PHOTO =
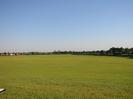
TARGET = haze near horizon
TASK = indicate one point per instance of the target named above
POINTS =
(48, 25)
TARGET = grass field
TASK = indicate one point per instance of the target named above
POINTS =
(66, 77)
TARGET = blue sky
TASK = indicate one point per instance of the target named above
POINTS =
(47, 25)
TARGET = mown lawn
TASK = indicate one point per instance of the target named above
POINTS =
(66, 77)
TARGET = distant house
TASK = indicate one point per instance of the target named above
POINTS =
(11, 54)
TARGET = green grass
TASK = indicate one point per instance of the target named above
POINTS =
(66, 77)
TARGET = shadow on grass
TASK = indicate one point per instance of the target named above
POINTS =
(130, 57)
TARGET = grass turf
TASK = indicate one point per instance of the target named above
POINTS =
(66, 77)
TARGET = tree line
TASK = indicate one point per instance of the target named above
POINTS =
(114, 51)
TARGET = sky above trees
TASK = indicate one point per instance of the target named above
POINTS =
(47, 25)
